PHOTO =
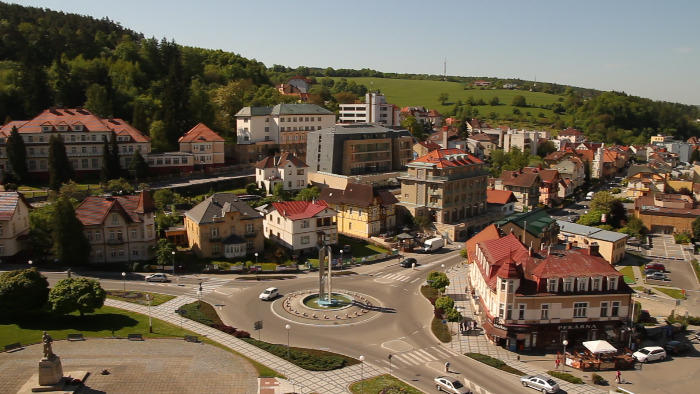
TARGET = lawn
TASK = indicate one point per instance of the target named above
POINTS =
(382, 382)
(360, 248)
(628, 272)
(672, 292)
(139, 297)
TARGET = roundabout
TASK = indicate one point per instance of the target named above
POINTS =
(348, 307)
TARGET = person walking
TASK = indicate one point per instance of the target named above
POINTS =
(447, 366)
(618, 378)
(556, 363)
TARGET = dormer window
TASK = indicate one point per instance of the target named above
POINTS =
(612, 283)
(552, 285)
(582, 284)
(45, 128)
(62, 128)
(596, 284)
(568, 284)
(78, 127)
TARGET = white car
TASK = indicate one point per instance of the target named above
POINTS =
(269, 294)
(541, 383)
(157, 278)
(651, 353)
(450, 385)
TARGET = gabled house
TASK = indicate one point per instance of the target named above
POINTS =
(224, 226)
(501, 202)
(644, 181)
(301, 225)
(422, 148)
(524, 185)
(206, 146)
(362, 211)
(549, 188)
(611, 244)
(14, 224)
(572, 135)
(285, 169)
(119, 228)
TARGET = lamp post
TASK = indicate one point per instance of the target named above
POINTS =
(565, 342)
(30, 263)
(288, 352)
(257, 277)
(149, 298)
(124, 282)
(362, 374)
(341, 258)
(173, 252)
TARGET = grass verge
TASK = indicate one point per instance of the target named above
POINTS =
(139, 297)
(385, 384)
(441, 332)
(628, 272)
(360, 248)
(309, 359)
(696, 268)
(565, 377)
(494, 362)
(674, 293)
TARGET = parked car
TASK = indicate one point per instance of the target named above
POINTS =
(347, 249)
(541, 383)
(649, 271)
(157, 278)
(677, 347)
(657, 276)
(651, 353)
(656, 267)
(450, 385)
(408, 263)
(269, 294)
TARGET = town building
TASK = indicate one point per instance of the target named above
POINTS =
(362, 210)
(355, 149)
(205, 145)
(667, 213)
(549, 187)
(536, 300)
(301, 225)
(224, 226)
(375, 109)
(422, 148)
(501, 202)
(525, 140)
(524, 185)
(644, 181)
(448, 186)
(535, 229)
(14, 225)
(571, 135)
(83, 134)
(119, 228)
(611, 244)
(285, 169)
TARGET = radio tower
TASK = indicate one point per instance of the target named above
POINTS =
(444, 71)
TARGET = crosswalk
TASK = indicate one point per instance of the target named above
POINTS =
(399, 277)
(208, 286)
(419, 356)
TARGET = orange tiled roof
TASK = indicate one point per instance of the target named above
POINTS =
(494, 196)
(8, 204)
(490, 232)
(443, 158)
(201, 132)
(94, 209)
(295, 210)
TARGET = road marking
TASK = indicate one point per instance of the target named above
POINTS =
(416, 280)
(208, 286)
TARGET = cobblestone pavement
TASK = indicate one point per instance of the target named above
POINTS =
(530, 365)
(153, 366)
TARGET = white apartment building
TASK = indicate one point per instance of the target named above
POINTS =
(375, 109)
(282, 124)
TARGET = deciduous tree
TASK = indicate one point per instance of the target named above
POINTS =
(139, 166)
(438, 280)
(23, 290)
(77, 294)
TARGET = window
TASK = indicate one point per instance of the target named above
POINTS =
(615, 308)
(552, 285)
(249, 228)
(568, 284)
(521, 311)
(115, 218)
(304, 224)
(214, 232)
(135, 252)
(580, 309)
(133, 233)
(98, 236)
(582, 284)
(511, 286)
(305, 239)
(501, 310)
(95, 163)
(215, 248)
(509, 313)
(503, 285)
(249, 245)
(596, 284)
(612, 283)
(545, 312)
(603, 309)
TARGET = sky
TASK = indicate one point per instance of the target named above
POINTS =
(645, 48)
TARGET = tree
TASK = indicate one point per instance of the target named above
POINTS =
(443, 97)
(60, 168)
(453, 315)
(77, 294)
(166, 220)
(164, 198)
(98, 101)
(105, 170)
(115, 167)
(159, 138)
(445, 303)
(69, 243)
(308, 194)
(119, 186)
(494, 101)
(438, 280)
(545, 149)
(164, 252)
(139, 166)
(695, 156)
(279, 193)
(519, 101)
(696, 228)
(23, 290)
(411, 124)
(17, 154)
(423, 222)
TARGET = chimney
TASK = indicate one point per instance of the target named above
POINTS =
(593, 249)
(549, 249)
(529, 251)
(444, 139)
(524, 231)
(568, 245)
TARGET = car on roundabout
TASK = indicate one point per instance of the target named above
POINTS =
(269, 294)
(157, 277)
(541, 383)
(409, 262)
(451, 385)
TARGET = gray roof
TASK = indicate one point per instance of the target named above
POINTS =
(284, 109)
(590, 232)
(254, 111)
(361, 128)
(217, 205)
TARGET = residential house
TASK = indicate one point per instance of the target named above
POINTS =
(422, 148)
(284, 169)
(549, 187)
(569, 166)
(535, 229)
(501, 202)
(660, 139)
(524, 185)
(566, 189)
(639, 152)
(667, 213)
(375, 109)
(362, 210)
(530, 300)
(644, 181)
(83, 134)
(14, 225)
(611, 244)
(205, 145)
(525, 140)
(448, 186)
(223, 225)
(571, 135)
(301, 225)
(483, 142)
(119, 228)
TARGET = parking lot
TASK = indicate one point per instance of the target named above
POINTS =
(663, 246)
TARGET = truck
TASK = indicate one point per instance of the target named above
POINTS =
(433, 244)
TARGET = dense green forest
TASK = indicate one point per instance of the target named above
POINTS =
(50, 58)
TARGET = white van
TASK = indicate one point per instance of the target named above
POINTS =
(589, 196)
(433, 244)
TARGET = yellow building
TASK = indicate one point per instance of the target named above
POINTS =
(644, 181)
(611, 244)
(362, 210)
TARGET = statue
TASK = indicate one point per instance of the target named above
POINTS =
(47, 340)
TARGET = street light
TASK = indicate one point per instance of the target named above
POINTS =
(341, 258)
(362, 374)
(173, 252)
(150, 323)
(565, 342)
(257, 277)
(30, 263)
(288, 352)
(124, 282)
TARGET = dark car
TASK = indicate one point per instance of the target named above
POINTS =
(677, 347)
(656, 267)
(408, 263)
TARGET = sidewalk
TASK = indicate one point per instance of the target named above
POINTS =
(335, 381)
(531, 365)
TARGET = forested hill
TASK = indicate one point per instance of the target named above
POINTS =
(50, 58)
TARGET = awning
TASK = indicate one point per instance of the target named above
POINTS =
(597, 347)
(493, 331)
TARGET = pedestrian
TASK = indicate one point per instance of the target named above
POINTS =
(556, 364)
(447, 366)
(618, 377)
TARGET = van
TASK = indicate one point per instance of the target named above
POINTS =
(590, 195)
(433, 244)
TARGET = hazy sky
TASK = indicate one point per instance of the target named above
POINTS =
(642, 47)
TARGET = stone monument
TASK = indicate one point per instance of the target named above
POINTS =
(50, 369)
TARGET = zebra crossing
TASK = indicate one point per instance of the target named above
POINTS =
(399, 277)
(208, 286)
(419, 356)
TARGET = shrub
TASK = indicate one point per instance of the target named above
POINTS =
(224, 328)
(241, 334)
(565, 377)
(441, 332)
(309, 359)
(494, 362)
(682, 238)
(597, 379)
(392, 390)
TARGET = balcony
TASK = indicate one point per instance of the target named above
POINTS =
(115, 241)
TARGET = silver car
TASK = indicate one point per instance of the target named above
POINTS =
(541, 383)
(451, 385)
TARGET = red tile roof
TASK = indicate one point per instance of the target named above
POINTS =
(574, 262)
(94, 209)
(443, 158)
(490, 232)
(547, 175)
(280, 161)
(430, 145)
(8, 204)
(502, 250)
(295, 210)
(517, 178)
(501, 197)
(201, 132)
(571, 131)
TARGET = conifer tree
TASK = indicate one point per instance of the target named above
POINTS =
(60, 168)
(138, 166)
(17, 154)
(105, 174)
(115, 167)
(69, 243)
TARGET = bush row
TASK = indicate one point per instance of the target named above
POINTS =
(566, 377)
(304, 358)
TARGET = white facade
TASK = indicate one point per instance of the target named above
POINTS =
(259, 124)
(375, 109)
(301, 234)
(290, 175)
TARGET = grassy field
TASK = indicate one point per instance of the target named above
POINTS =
(628, 272)
(671, 292)
(379, 383)
(404, 92)
(139, 297)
